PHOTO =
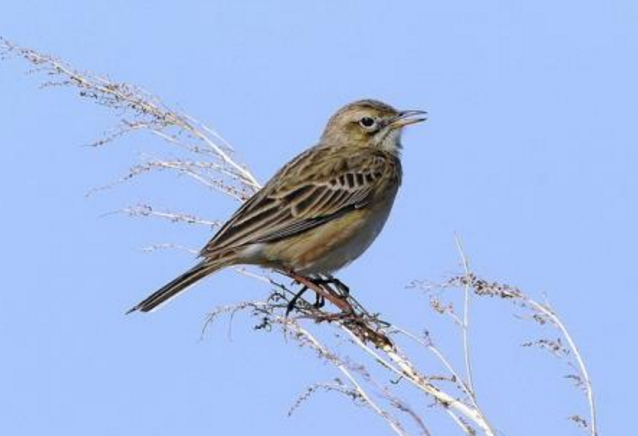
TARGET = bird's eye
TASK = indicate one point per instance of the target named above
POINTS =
(368, 123)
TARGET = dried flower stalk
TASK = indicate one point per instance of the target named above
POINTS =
(212, 163)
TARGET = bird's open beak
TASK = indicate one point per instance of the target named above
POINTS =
(405, 118)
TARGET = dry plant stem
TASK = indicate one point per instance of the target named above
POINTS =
(470, 390)
(466, 320)
(340, 303)
(543, 314)
(234, 179)
(170, 246)
(396, 427)
(402, 366)
(144, 210)
(355, 323)
(401, 406)
(148, 112)
(439, 355)
(448, 366)
(183, 168)
(545, 310)
(303, 336)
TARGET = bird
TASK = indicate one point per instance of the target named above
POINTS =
(321, 210)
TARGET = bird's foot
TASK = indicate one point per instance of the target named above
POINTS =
(332, 284)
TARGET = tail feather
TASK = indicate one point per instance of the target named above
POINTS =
(178, 285)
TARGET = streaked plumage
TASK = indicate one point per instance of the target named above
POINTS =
(320, 211)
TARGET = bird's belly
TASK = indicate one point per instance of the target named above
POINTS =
(333, 245)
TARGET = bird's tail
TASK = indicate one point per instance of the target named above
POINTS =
(180, 284)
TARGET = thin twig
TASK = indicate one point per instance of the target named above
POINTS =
(466, 319)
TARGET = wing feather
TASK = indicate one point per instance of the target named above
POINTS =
(316, 187)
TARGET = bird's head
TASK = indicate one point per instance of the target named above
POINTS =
(369, 123)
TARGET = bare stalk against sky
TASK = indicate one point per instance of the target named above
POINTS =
(367, 380)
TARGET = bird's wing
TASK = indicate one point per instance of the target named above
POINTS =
(314, 188)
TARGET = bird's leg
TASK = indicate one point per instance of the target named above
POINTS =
(293, 302)
(320, 301)
(328, 294)
(344, 292)
(338, 284)
(332, 285)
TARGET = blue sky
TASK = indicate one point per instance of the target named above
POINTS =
(529, 154)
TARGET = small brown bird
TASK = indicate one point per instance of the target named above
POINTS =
(322, 210)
